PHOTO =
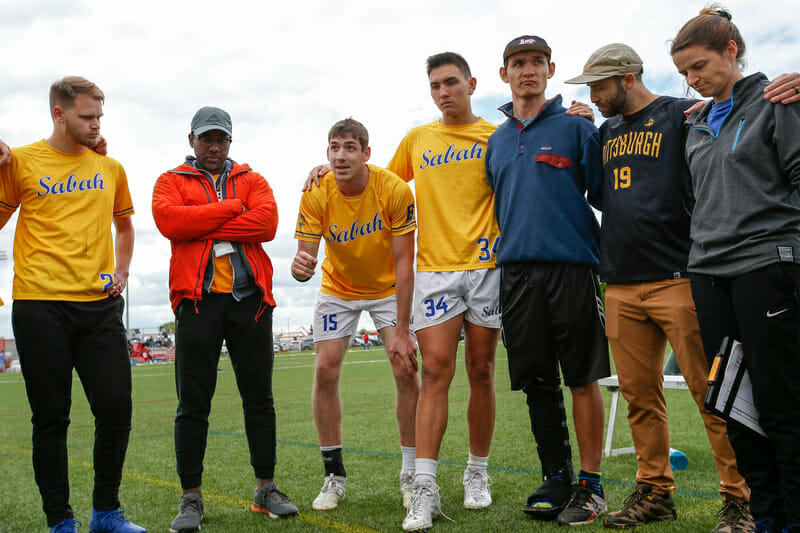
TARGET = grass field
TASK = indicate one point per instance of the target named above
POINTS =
(150, 490)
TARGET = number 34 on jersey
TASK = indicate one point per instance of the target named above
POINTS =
(485, 252)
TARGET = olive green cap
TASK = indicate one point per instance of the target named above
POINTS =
(615, 59)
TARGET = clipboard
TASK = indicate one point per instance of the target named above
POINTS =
(730, 391)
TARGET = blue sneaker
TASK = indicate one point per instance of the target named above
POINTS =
(69, 525)
(112, 522)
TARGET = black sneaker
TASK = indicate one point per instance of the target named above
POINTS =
(583, 508)
(642, 506)
(549, 499)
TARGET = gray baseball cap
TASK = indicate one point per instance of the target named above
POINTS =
(614, 59)
(211, 118)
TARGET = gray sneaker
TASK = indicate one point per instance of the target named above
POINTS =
(190, 513)
(269, 500)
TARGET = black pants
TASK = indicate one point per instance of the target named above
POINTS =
(52, 339)
(760, 309)
(198, 339)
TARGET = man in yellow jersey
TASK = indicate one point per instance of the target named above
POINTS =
(216, 213)
(366, 216)
(457, 285)
(68, 281)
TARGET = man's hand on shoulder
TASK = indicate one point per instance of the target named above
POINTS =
(5, 153)
(102, 146)
(581, 109)
(695, 107)
(314, 176)
(404, 348)
(303, 266)
(784, 89)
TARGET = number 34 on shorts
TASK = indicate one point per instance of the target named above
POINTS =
(432, 307)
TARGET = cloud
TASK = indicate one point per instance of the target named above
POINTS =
(286, 72)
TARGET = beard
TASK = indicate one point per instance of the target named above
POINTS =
(617, 104)
(80, 136)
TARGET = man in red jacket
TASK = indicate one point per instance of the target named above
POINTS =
(216, 214)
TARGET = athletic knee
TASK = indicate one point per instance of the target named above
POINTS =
(326, 375)
(406, 382)
(480, 372)
(436, 372)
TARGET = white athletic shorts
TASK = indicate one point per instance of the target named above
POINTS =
(336, 317)
(440, 296)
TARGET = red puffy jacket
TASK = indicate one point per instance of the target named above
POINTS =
(187, 212)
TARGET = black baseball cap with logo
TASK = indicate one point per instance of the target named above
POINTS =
(526, 42)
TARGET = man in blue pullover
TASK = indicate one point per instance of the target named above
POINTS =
(542, 164)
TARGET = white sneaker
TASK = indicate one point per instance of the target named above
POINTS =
(476, 488)
(331, 494)
(407, 487)
(423, 507)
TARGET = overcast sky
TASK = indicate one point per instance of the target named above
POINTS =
(287, 73)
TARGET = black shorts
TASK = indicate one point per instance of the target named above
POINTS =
(553, 313)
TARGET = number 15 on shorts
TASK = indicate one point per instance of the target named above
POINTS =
(329, 322)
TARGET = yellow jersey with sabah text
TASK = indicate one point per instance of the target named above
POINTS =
(455, 205)
(63, 248)
(358, 231)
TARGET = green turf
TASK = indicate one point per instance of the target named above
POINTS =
(150, 490)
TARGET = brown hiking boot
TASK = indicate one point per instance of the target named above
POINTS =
(734, 516)
(642, 506)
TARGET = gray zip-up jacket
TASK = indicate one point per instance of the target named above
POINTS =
(746, 181)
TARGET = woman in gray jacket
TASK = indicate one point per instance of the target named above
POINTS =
(744, 156)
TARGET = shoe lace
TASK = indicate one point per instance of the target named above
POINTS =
(116, 516)
(416, 503)
(279, 496)
(189, 504)
(476, 488)
(764, 525)
(733, 512)
(67, 523)
(633, 500)
(330, 485)
(581, 498)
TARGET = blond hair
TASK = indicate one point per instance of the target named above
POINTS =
(64, 91)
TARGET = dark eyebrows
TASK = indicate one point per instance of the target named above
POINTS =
(448, 81)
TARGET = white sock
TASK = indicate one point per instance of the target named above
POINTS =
(479, 463)
(425, 471)
(409, 454)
